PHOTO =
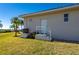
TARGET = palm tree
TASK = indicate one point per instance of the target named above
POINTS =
(15, 22)
(12, 26)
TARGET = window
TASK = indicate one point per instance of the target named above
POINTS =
(30, 19)
(65, 17)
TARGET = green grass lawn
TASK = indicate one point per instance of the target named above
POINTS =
(17, 46)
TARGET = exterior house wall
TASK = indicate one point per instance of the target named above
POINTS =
(60, 29)
(35, 21)
(65, 30)
(25, 23)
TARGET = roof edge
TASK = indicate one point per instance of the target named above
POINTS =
(26, 15)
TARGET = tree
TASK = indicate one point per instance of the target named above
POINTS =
(15, 21)
(1, 25)
(12, 26)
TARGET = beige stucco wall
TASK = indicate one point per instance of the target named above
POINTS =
(65, 30)
(35, 22)
(60, 29)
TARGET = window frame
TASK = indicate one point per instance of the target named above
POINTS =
(66, 17)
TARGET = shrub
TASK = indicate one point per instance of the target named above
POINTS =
(26, 30)
(32, 35)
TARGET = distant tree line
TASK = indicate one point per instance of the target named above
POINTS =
(3, 30)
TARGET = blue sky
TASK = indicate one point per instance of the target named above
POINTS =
(9, 10)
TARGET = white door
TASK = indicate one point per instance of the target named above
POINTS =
(44, 26)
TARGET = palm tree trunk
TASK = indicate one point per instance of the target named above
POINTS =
(16, 31)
